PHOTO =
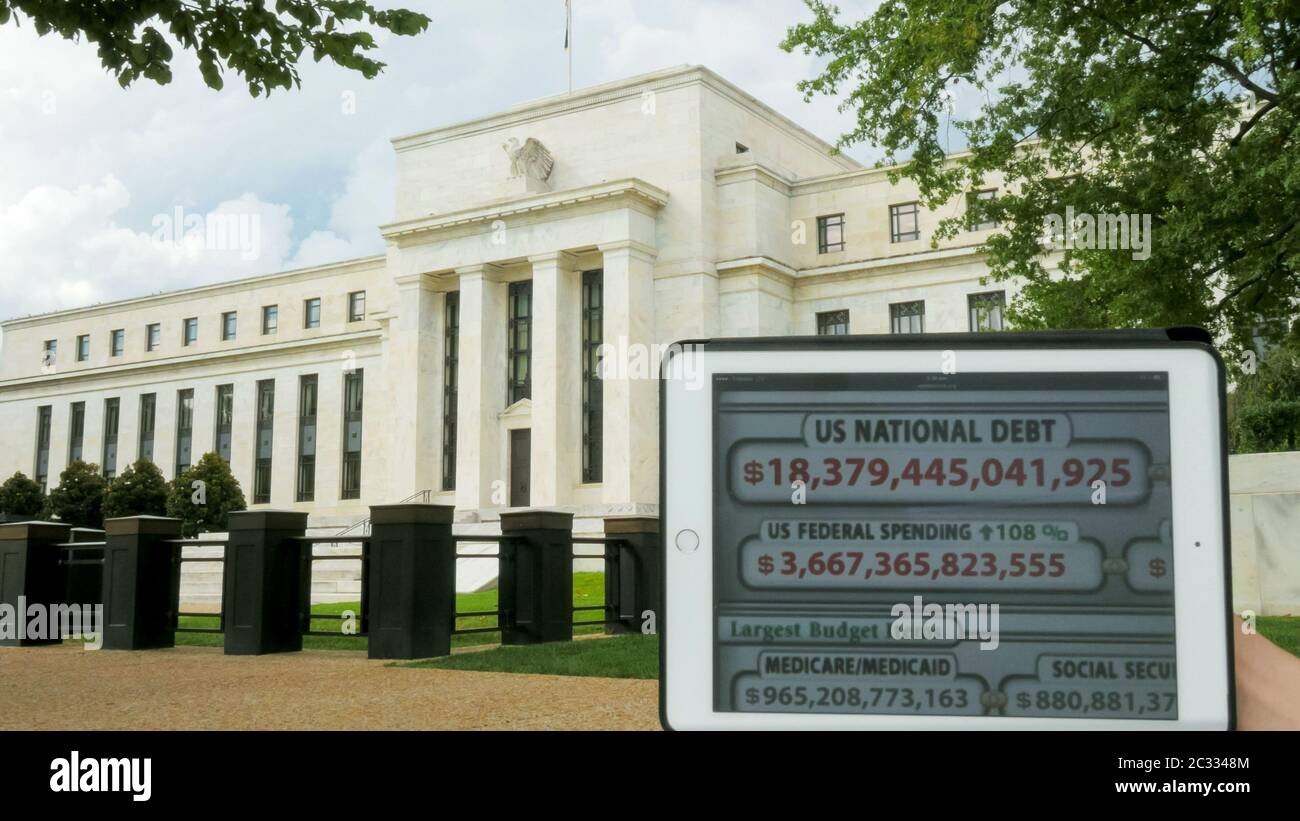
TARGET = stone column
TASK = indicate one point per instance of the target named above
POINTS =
(415, 386)
(630, 461)
(482, 393)
(556, 371)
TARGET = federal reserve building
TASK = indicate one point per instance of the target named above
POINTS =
(464, 366)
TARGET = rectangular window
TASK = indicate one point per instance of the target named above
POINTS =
(904, 222)
(353, 395)
(987, 225)
(229, 325)
(152, 336)
(184, 429)
(450, 375)
(42, 471)
(225, 421)
(907, 317)
(148, 409)
(519, 379)
(593, 391)
(356, 306)
(270, 319)
(76, 431)
(830, 233)
(190, 331)
(833, 323)
(117, 342)
(264, 441)
(311, 313)
(83, 347)
(50, 354)
(307, 437)
(986, 310)
(111, 417)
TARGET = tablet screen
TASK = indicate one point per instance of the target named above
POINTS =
(987, 544)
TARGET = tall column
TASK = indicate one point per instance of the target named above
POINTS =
(630, 461)
(557, 392)
(482, 390)
(414, 417)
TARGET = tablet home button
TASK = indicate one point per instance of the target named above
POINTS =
(687, 541)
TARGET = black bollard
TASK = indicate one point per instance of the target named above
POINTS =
(536, 585)
(411, 589)
(635, 585)
(262, 585)
(29, 575)
(140, 582)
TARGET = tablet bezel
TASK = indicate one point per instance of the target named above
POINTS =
(1203, 634)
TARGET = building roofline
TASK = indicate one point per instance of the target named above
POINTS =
(616, 91)
(329, 268)
(629, 188)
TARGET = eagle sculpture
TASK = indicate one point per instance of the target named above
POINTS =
(532, 160)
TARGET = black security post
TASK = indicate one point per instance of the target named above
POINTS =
(262, 589)
(29, 574)
(83, 574)
(140, 582)
(536, 583)
(411, 588)
(633, 582)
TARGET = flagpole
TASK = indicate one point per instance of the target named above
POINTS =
(568, 38)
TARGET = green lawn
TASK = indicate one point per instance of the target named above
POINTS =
(1284, 631)
(629, 656)
(588, 589)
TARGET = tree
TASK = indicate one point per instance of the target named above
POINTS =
(21, 496)
(79, 498)
(204, 494)
(1266, 404)
(1182, 110)
(140, 490)
(262, 44)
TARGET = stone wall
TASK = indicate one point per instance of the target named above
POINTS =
(1265, 504)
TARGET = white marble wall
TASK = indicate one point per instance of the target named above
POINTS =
(1265, 505)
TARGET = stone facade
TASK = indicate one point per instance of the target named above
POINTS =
(698, 205)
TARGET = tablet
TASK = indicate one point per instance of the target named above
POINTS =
(967, 531)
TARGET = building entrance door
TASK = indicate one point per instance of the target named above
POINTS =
(521, 450)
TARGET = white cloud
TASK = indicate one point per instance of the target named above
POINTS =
(61, 247)
(88, 167)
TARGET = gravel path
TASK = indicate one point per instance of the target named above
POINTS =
(67, 688)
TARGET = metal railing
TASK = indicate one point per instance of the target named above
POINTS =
(77, 585)
(309, 558)
(423, 495)
(611, 557)
(181, 560)
(500, 614)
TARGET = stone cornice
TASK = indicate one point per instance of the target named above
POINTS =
(764, 265)
(630, 190)
(755, 172)
(950, 256)
(208, 357)
(618, 91)
(632, 247)
(261, 280)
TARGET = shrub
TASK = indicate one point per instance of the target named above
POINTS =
(79, 498)
(1266, 404)
(21, 496)
(140, 490)
(203, 495)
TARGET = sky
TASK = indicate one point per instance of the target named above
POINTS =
(98, 183)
